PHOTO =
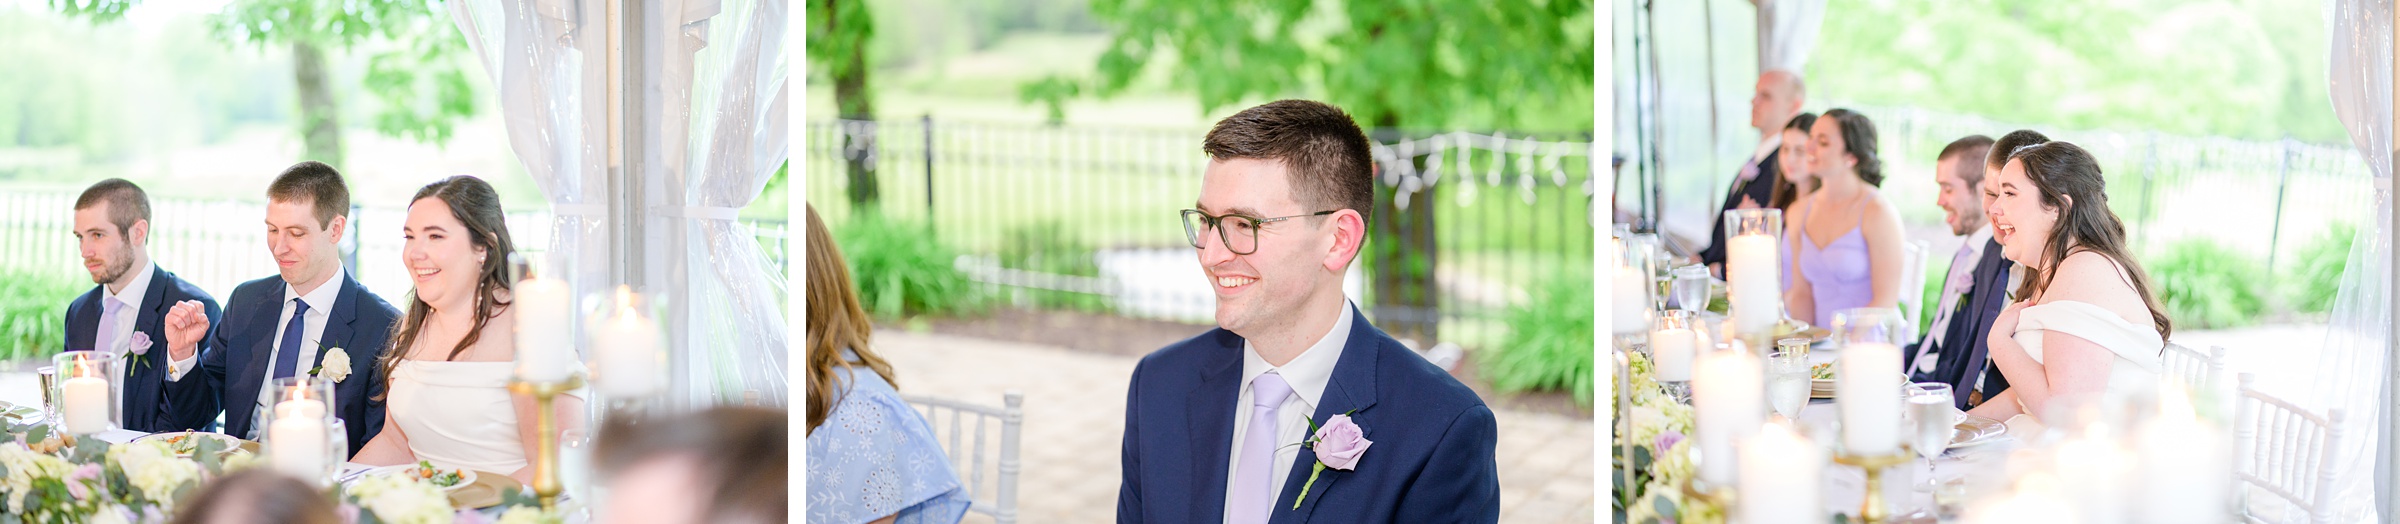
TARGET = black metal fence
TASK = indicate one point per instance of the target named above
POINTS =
(1468, 225)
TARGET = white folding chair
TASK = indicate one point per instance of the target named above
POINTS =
(1002, 506)
(1912, 287)
(2197, 372)
(2283, 450)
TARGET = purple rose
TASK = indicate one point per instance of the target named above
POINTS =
(1340, 442)
(77, 481)
(141, 343)
(468, 516)
(1668, 439)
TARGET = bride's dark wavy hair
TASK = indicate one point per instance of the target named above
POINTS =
(2068, 179)
(475, 205)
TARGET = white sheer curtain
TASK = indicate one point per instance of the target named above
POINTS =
(545, 59)
(2352, 369)
(1787, 33)
(726, 131)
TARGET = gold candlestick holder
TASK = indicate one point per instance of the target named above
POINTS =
(1871, 510)
(545, 460)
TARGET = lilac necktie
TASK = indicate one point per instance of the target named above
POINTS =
(106, 341)
(1253, 493)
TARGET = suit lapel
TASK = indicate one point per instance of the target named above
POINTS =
(242, 401)
(143, 382)
(1351, 391)
(1210, 415)
(338, 329)
(1991, 281)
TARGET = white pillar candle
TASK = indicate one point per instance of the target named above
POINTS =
(1629, 306)
(1729, 399)
(2097, 488)
(298, 446)
(1671, 352)
(2186, 466)
(1781, 475)
(85, 405)
(1752, 285)
(626, 347)
(300, 408)
(1867, 388)
(544, 341)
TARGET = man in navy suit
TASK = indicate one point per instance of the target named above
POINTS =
(2002, 277)
(286, 325)
(1953, 350)
(1214, 425)
(125, 314)
(1777, 98)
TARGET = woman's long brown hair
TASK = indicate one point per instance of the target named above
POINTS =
(2068, 180)
(476, 206)
(835, 322)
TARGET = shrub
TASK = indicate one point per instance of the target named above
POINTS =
(2317, 270)
(901, 269)
(1550, 339)
(2204, 285)
(1047, 247)
(33, 312)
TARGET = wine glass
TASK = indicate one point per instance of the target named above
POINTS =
(1932, 419)
(1691, 287)
(1788, 379)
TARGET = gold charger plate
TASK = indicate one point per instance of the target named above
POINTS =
(487, 490)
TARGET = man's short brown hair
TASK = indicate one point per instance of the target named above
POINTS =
(316, 182)
(1971, 150)
(1324, 154)
(2010, 143)
(127, 203)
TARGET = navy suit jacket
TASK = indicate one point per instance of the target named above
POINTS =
(1432, 459)
(1759, 188)
(1966, 352)
(146, 406)
(237, 359)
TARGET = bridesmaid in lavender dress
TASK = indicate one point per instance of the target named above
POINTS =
(1845, 237)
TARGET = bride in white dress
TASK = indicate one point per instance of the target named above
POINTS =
(447, 386)
(2086, 326)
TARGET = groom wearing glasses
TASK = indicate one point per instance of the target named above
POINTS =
(1222, 427)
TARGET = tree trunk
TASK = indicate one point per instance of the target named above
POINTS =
(1407, 302)
(851, 101)
(320, 115)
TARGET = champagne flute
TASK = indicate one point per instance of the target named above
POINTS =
(1933, 418)
(1788, 379)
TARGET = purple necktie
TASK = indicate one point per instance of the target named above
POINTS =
(1253, 493)
(107, 339)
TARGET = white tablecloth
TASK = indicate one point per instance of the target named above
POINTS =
(1982, 467)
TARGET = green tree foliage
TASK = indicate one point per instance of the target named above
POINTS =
(2244, 68)
(413, 68)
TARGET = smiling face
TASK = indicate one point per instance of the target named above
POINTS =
(1990, 191)
(1828, 154)
(1264, 290)
(108, 254)
(1962, 206)
(307, 251)
(2019, 214)
(442, 258)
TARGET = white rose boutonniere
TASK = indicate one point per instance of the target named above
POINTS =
(335, 366)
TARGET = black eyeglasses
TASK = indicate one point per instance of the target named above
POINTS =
(1241, 244)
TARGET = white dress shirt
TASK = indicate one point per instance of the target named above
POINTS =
(1947, 310)
(320, 311)
(1308, 374)
(121, 340)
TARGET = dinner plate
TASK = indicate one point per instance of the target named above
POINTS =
(466, 476)
(1974, 430)
(170, 440)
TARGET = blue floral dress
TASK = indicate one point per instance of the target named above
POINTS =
(874, 456)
